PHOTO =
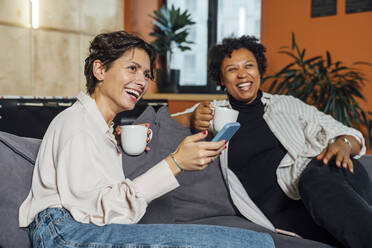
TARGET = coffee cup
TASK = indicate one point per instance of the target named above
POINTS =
(134, 139)
(222, 116)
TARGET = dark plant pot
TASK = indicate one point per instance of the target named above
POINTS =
(168, 80)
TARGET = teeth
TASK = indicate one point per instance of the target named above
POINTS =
(133, 92)
(244, 85)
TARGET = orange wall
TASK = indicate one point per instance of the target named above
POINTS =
(348, 37)
(137, 17)
(138, 21)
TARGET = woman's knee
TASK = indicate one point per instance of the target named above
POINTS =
(318, 177)
(315, 170)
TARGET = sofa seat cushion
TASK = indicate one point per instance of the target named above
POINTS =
(159, 210)
(280, 241)
(201, 194)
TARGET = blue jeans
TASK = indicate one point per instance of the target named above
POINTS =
(55, 227)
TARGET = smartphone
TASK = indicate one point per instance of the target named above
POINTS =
(227, 131)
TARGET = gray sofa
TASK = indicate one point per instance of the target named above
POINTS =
(201, 199)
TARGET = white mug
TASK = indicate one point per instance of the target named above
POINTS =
(133, 139)
(222, 116)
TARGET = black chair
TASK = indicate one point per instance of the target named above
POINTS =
(30, 117)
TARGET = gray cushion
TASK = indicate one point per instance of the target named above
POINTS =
(280, 241)
(159, 210)
(17, 156)
(367, 163)
(202, 193)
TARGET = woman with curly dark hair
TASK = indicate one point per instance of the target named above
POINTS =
(275, 164)
(80, 196)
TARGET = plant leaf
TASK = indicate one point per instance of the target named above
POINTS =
(330, 86)
(361, 63)
(329, 60)
(170, 26)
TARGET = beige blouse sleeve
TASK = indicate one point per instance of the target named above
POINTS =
(93, 188)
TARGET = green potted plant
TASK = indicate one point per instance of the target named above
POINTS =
(170, 30)
(330, 86)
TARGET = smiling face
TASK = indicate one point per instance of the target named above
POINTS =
(123, 84)
(240, 75)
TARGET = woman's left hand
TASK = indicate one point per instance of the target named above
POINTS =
(341, 151)
(117, 134)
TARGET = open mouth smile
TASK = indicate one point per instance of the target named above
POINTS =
(134, 93)
(244, 86)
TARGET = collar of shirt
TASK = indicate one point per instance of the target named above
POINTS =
(266, 97)
(91, 107)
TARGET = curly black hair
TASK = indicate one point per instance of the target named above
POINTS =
(218, 52)
(108, 47)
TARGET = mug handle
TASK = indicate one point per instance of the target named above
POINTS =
(149, 135)
(211, 123)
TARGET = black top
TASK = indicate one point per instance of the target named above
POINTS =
(254, 155)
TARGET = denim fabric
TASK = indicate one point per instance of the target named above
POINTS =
(55, 227)
(339, 201)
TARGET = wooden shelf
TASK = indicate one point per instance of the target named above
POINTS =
(185, 97)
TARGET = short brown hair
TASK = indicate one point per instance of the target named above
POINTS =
(108, 47)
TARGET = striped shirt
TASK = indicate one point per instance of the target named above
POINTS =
(303, 130)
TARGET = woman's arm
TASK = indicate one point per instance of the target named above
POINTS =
(194, 154)
(342, 141)
(341, 148)
(354, 145)
(92, 186)
(328, 127)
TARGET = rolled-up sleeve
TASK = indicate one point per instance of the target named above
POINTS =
(335, 128)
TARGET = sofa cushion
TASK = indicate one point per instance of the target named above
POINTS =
(17, 155)
(159, 210)
(280, 241)
(366, 160)
(203, 193)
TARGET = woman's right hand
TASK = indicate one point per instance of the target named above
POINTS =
(194, 154)
(200, 118)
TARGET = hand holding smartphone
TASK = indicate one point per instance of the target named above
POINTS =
(227, 131)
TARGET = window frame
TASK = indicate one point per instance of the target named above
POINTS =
(211, 87)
